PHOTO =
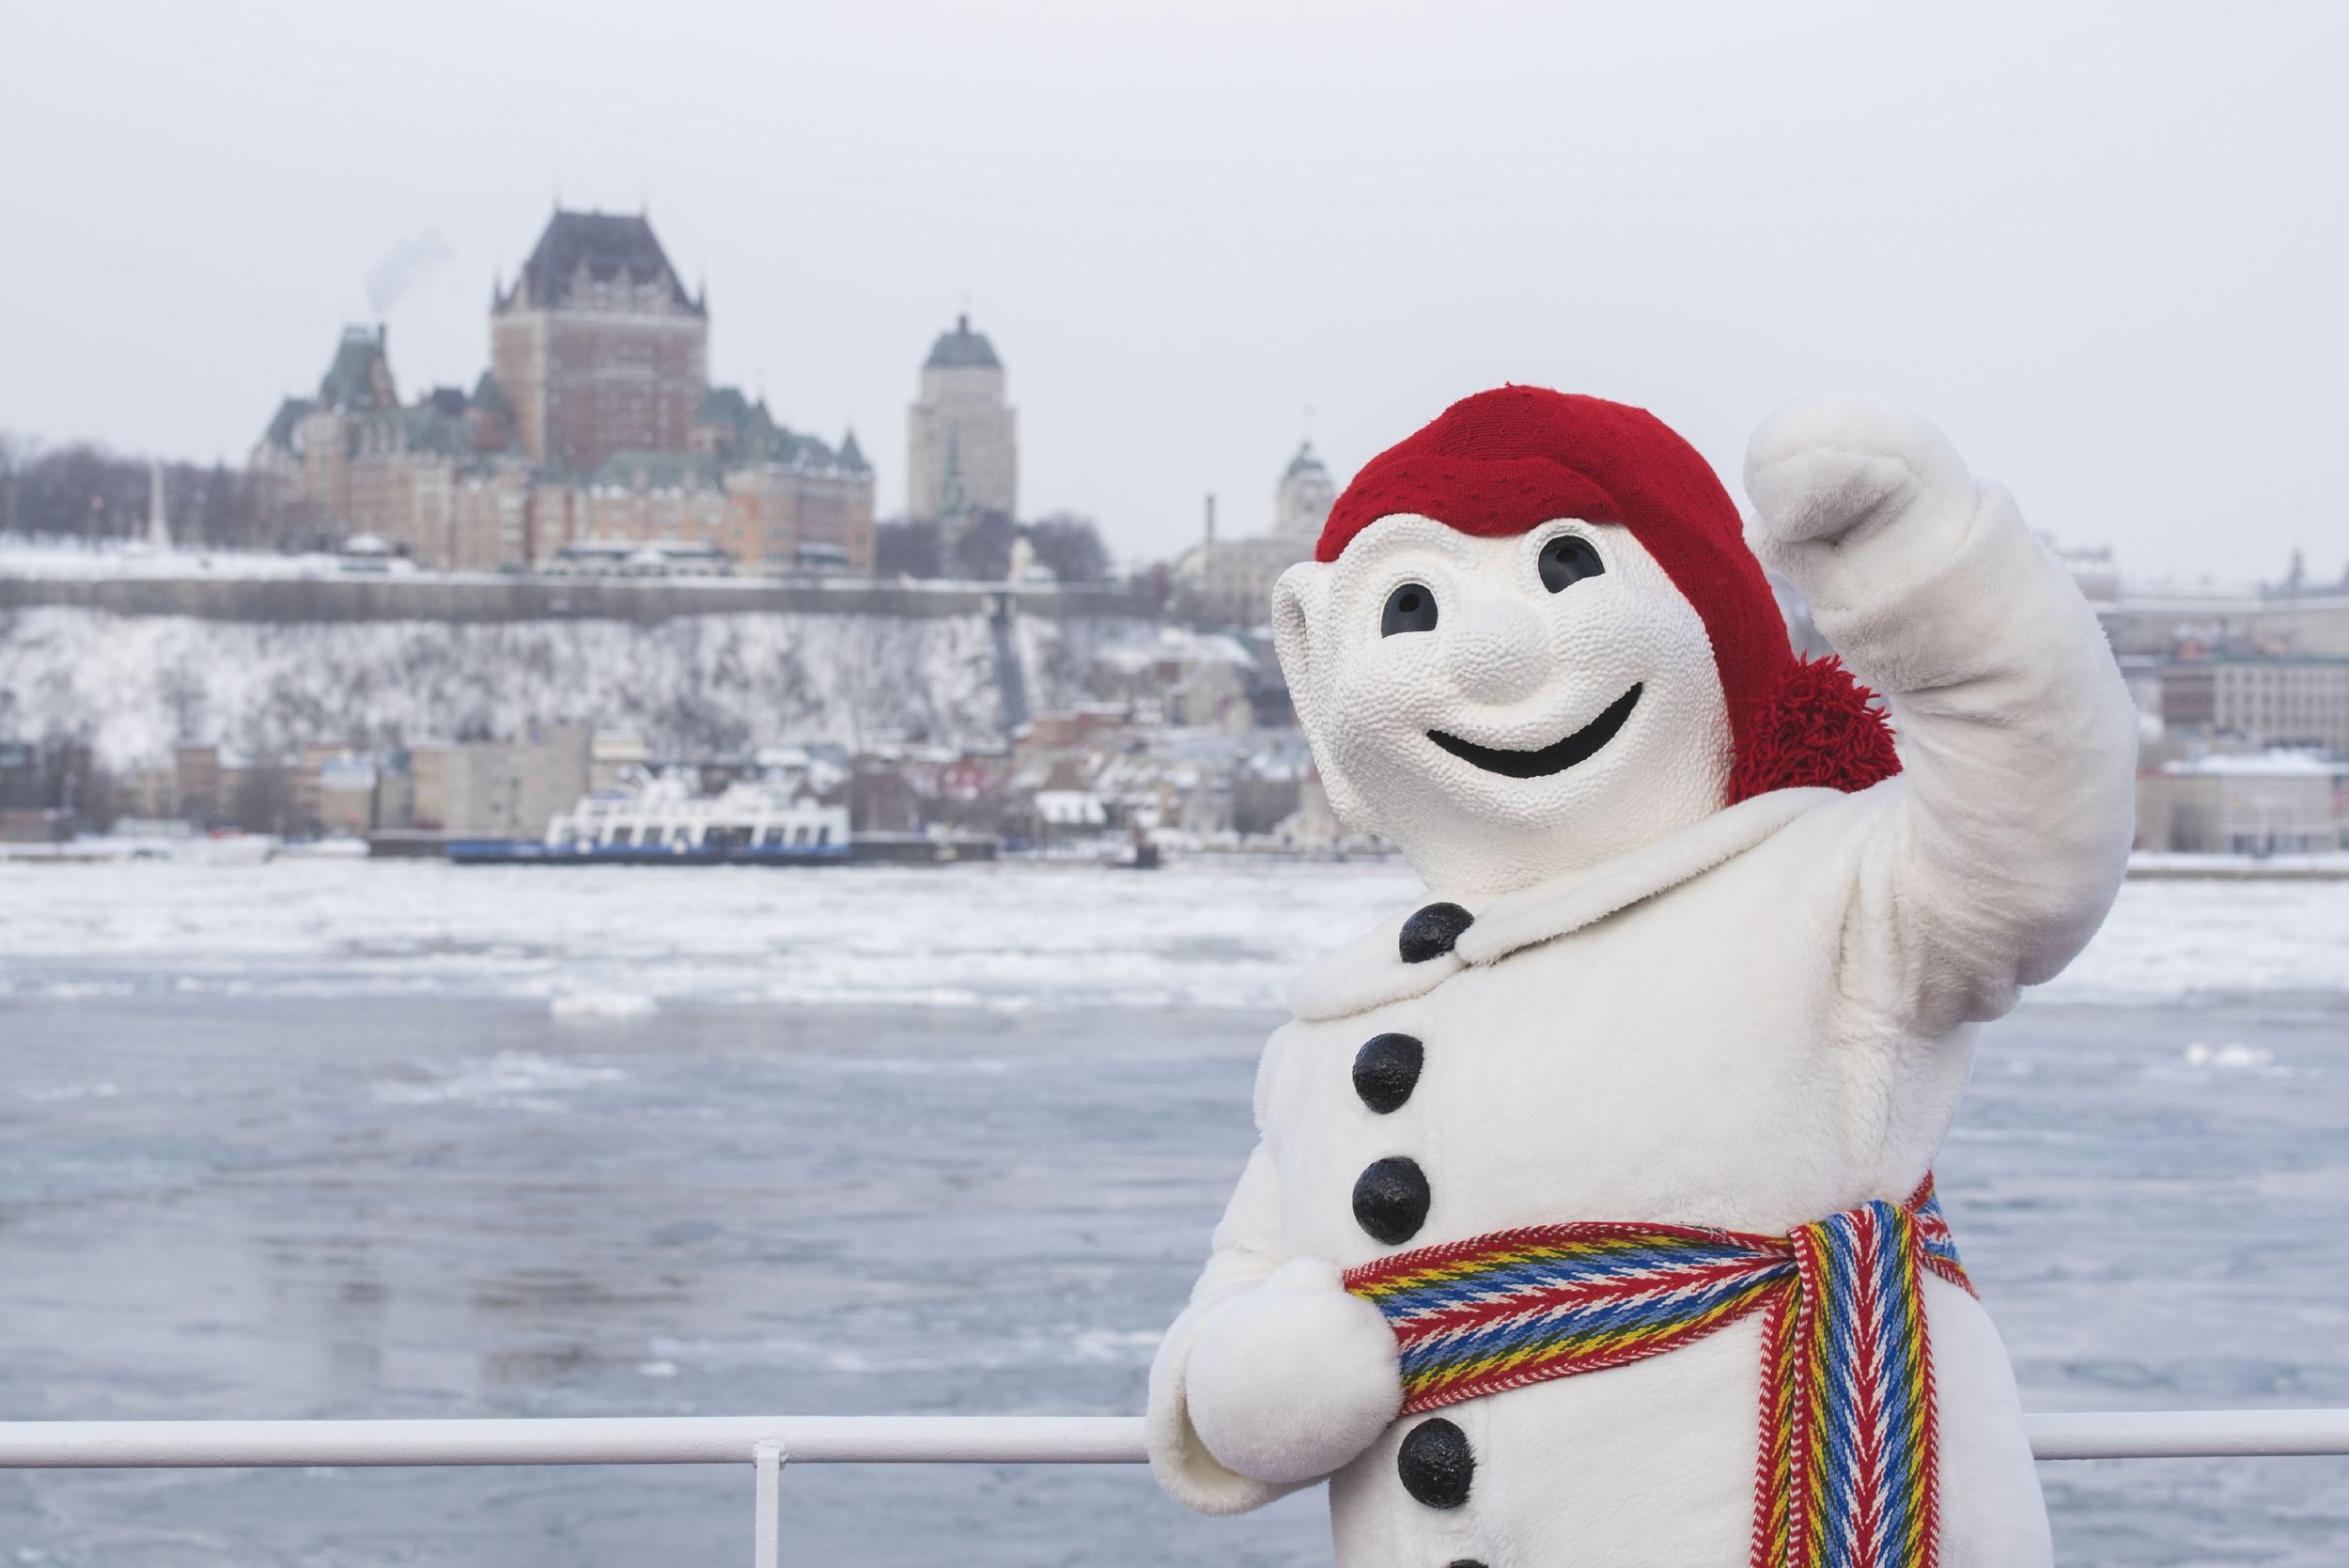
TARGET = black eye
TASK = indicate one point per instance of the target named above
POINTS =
(1410, 608)
(1568, 559)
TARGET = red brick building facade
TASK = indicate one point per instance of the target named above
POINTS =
(598, 345)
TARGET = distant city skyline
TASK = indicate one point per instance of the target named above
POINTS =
(2102, 249)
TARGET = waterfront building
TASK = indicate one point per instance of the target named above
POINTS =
(2277, 802)
(347, 787)
(498, 788)
(1183, 679)
(963, 443)
(2259, 700)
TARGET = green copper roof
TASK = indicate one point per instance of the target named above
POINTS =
(487, 394)
(290, 412)
(751, 435)
(962, 349)
(360, 375)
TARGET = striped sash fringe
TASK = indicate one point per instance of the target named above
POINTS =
(1847, 1477)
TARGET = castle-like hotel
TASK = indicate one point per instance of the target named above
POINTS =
(595, 438)
(596, 429)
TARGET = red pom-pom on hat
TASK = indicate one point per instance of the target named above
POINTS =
(1821, 730)
(1506, 461)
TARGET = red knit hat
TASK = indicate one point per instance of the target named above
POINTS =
(1505, 461)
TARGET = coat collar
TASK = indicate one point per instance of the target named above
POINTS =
(1370, 972)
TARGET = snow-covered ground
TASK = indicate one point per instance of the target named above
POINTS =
(1008, 937)
(58, 559)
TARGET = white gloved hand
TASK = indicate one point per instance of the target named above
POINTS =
(1295, 1377)
(1852, 498)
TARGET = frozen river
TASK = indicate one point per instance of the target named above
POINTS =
(351, 1139)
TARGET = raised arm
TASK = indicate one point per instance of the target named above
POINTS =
(1995, 855)
(1273, 1377)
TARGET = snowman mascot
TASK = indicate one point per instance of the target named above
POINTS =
(1592, 1220)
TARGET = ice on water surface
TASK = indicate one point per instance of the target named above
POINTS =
(613, 941)
(408, 1139)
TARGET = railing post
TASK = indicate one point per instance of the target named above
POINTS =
(767, 1458)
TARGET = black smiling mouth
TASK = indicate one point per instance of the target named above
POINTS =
(1557, 757)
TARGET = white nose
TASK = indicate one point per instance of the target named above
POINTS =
(1497, 650)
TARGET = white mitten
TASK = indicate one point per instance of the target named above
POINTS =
(1852, 497)
(1294, 1378)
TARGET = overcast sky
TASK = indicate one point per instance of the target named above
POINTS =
(2105, 247)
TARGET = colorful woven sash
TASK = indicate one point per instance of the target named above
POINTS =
(1847, 1477)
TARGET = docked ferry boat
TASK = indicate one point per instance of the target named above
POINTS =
(662, 823)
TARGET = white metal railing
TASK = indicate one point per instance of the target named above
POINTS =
(576, 1440)
(767, 1443)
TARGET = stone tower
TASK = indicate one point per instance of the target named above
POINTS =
(597, 345)
(963, 443)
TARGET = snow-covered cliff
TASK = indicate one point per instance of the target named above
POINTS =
(135, 686)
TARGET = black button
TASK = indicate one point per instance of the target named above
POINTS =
(1430, 932)
(1435, 1465)
(1391, 1199)
(1464, 1562)
(1385, 1070)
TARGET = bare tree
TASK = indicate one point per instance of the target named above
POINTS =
(83, 492)
(907, 548)
(1071, 547)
